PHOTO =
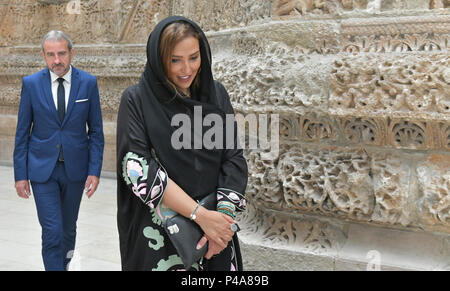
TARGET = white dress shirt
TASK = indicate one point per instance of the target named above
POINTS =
(67, 84)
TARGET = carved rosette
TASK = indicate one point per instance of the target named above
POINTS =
(317, 128)
(366, 131)
(409, 134)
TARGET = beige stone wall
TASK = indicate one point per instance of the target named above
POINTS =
(361, 88)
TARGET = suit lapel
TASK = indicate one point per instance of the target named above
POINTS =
(75, 85)
(48, 96)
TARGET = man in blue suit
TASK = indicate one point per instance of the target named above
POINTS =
(58, 146)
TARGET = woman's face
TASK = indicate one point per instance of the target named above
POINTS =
(185, 63)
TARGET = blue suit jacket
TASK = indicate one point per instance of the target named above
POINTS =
(40, 133)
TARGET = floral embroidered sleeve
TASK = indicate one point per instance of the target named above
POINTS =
(230, 202)
(142, 172)
(146, 178)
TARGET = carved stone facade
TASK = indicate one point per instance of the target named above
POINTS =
(361, 88)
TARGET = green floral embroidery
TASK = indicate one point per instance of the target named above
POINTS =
(154, 235)
(172, 261)
(155, 217)
(134, 168)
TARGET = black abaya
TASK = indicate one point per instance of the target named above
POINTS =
(146, 159)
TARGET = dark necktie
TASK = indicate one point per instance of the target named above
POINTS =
(61, 99)
(61, 109)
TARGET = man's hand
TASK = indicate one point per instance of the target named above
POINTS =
(23, 188)
(91, 185)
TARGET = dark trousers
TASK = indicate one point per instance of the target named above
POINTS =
(58, 202)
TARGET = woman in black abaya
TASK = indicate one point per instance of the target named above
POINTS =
(154, 177)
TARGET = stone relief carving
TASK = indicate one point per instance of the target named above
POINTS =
(327, 182)
(289, 127)
(111, 89)
(372, 188)
(99, 21)
(283, 8)
(27, 13)
(435, 4)
(391, 178)
(266, 188)
(358, 130)
(317, 128)
(287, 39)
(141, 16)
(214, 15)
(403, 34)
(434, 187)
(410, 134)
(56, 2)
(270, 80)
(395, 43)
(9, 90)
(310, 127)
(436, 200)
(281, 230)
(411, 83)
(303, 7)
(336, 130)
(444, 129)
(396, 25)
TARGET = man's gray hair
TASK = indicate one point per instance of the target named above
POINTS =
(56, 35)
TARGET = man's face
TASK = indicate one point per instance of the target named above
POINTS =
(57, 56)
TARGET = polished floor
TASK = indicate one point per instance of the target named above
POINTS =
(97, 247)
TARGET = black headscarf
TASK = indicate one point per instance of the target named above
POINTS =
(194, 170)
